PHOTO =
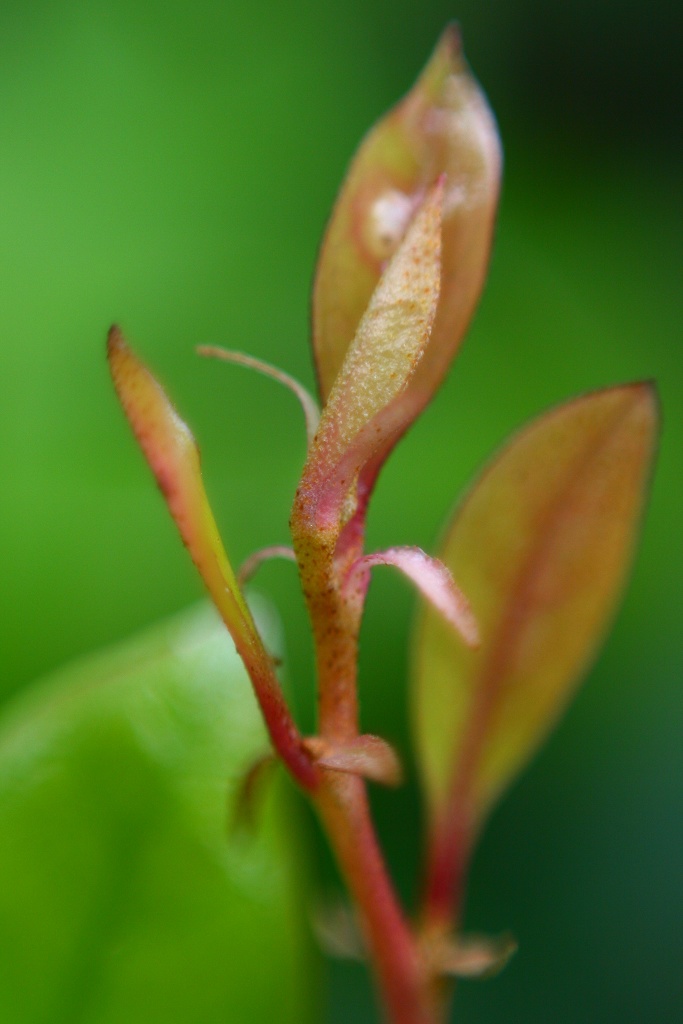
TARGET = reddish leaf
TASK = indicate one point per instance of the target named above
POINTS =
(443, 126)
(173, 456)
(435, 583)
(541, 546)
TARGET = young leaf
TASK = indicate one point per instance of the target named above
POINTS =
(122, 897)
(173, 456)
(541, 545)
(368, 756)
(433, 580)
(442, 126)
(364, 408)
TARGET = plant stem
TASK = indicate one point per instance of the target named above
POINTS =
(404, 988)
(341, 799)
(445, 874)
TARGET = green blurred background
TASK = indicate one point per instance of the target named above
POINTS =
(171, 166)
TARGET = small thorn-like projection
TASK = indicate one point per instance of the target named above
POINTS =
(336, 928)
(470, 956)
(434, 581)
(254, 562)
(242, 813)
(368, 756)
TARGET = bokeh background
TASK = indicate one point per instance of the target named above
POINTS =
(170, 166)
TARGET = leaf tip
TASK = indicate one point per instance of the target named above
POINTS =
(643, 414)
(114, 336)
(469, 629)
(116, 345)
(449, 49)
(646, 394)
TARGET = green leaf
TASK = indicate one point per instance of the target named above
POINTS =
(540, 545)
(123, 900)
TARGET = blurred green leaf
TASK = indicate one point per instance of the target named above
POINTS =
(541, 546)
(123, 899)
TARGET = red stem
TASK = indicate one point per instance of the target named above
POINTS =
(446, 873)
(284, 735)
(404, 988)
(407, 989)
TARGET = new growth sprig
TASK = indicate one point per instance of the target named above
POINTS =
(530, 566)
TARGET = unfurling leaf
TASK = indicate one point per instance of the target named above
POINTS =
(541, 545)
(173, 456)
(442, 126)
(364, 408)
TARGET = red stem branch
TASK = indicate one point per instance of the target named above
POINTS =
(407, 988)
(404, 989)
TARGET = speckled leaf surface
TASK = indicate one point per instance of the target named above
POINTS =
(368, 402)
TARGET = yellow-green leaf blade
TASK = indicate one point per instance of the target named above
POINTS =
(367, 401)
(442, 126)
(173, 456)
(541, 546)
